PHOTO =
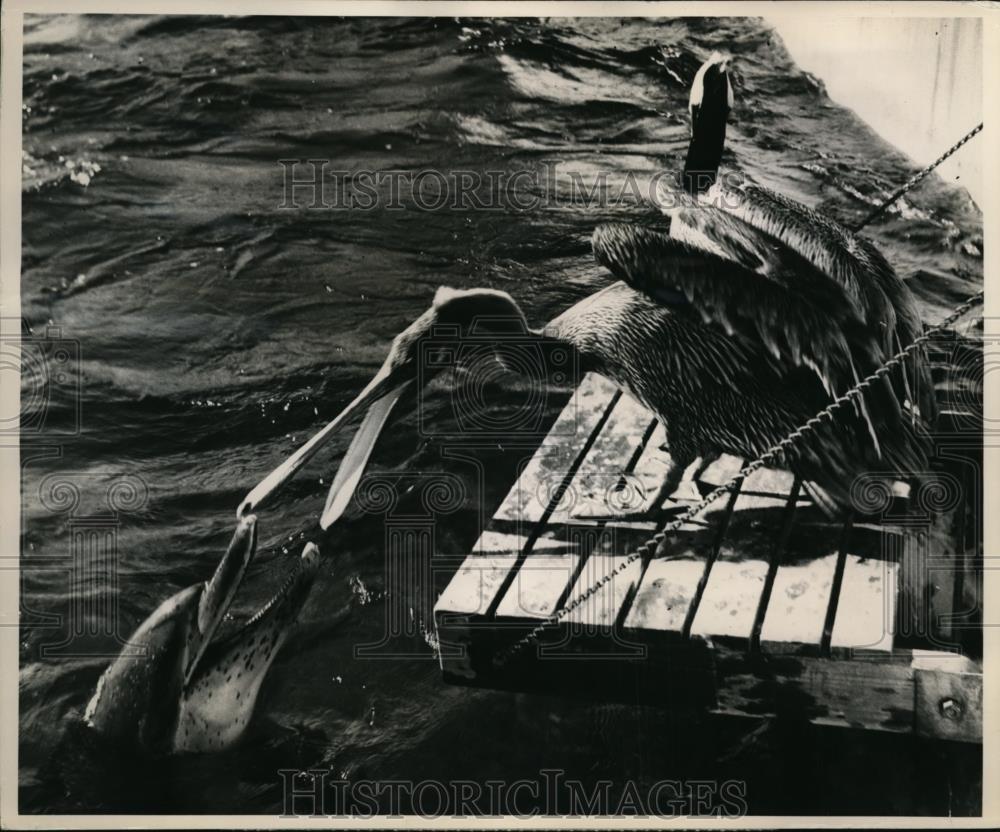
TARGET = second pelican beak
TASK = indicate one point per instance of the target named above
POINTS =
(356, 459)
(379, 395)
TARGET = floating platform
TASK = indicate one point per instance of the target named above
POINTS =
(758, 606)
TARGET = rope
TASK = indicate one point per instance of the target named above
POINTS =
(917, 177)
(649, 547)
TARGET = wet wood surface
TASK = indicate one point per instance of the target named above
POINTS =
(759, 605)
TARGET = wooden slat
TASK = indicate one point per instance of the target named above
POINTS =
(475, 583)
(668, 589)
(541, 576)
(468, 596)
(796, 610)
(801, 596)
(460, 610)
(729, 605)
(722, 470)
(837, 692)
(542, 583)
(601, 609)
(538, 586)
(594, 490)
(732, 595)
(866, 608)
(948, 695)
(928, 566)
(671, 586)
(907, 691)
(531, 496)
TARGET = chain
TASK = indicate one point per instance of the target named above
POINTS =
(770, 455)
(918, 177)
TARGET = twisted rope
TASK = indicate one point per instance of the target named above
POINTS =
(917, 177)
(770, 455)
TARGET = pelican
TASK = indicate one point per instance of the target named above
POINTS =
(735, 324)
(734, 370)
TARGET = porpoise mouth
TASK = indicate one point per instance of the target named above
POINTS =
(276, 613)
(219, 697)
(283, 606)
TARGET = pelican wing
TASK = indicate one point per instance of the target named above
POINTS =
(847, 259)
(853, 263)
(736, 283)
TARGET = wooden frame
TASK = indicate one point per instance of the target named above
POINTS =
(759, 605)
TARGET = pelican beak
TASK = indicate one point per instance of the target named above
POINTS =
(378, 397)
(382, 394)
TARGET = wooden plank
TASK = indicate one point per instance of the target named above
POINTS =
(796, 610)
(467, 598)
(765, 488)
(460, 611)
(603, 484)
(800, 597)
(928, 566)
(828, 691)
(532, 494)
(664, 603)
(949, 696)
(475, 583)
(542, 582)
(866, 608)
(601, 609)
(669, 586)
(931, 693)
(732, 595)
(729, 605)
(722, 470)
(538, 586)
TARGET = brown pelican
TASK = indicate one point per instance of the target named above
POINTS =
(734, 369)
(736, 324)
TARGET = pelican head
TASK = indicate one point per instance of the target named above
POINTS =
(419, 352)
(709, 104)
(455, 314)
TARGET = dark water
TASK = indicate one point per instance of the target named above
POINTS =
(216, 330)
